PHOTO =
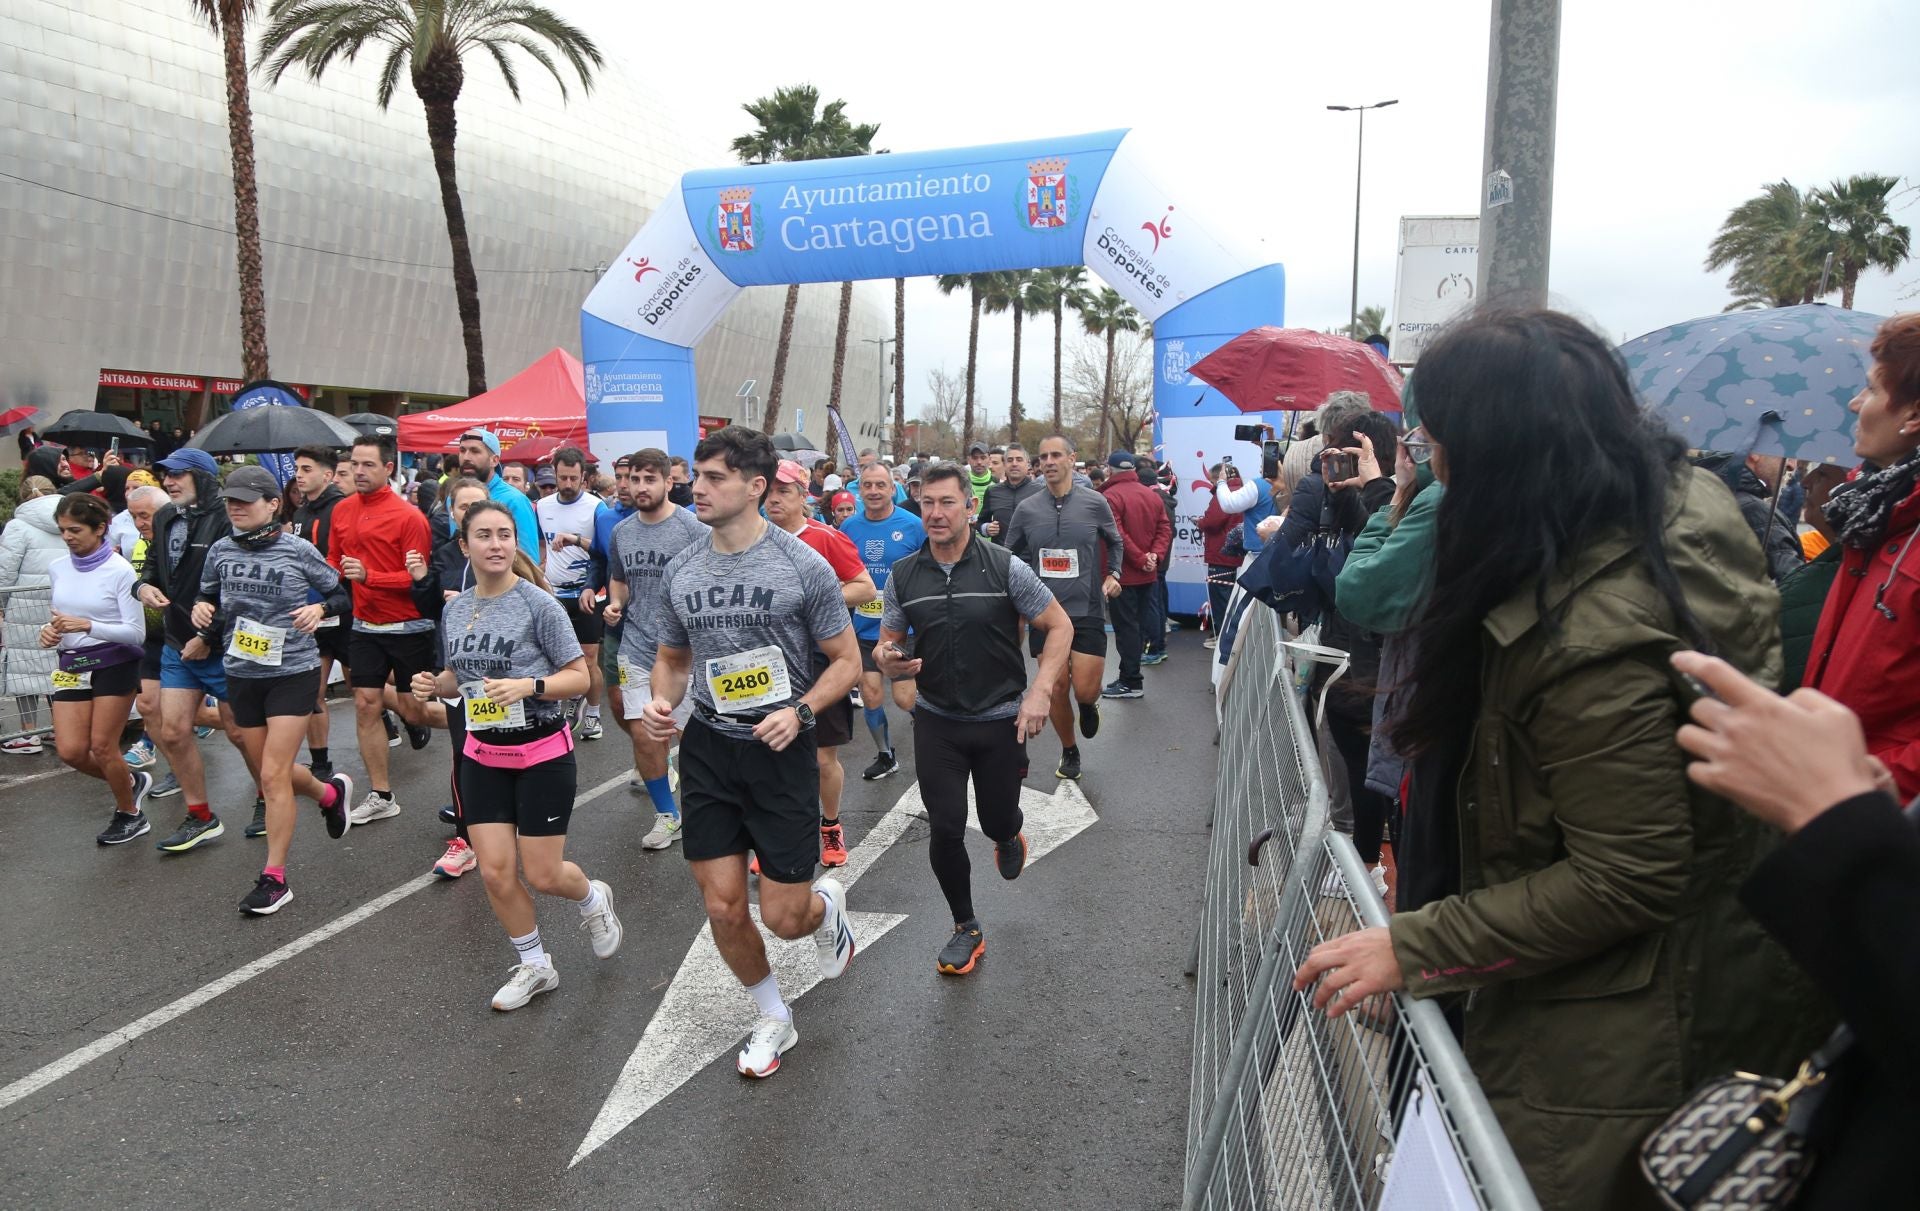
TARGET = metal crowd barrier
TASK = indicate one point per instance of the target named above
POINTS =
(1290, 1110)
(26, 668)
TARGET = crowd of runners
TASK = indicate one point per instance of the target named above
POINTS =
(730, 614)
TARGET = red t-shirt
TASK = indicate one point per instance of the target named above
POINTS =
(834, 547)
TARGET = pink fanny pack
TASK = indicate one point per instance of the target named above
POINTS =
(519, 756)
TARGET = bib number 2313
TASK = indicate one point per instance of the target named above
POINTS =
(748, 681)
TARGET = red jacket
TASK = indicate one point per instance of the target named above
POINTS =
(1144, 527)
(1217, 525)
(1869, 659)
(378, 529)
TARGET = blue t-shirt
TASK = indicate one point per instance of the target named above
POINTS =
(526, 527)
(1251, 519)
(880, 544)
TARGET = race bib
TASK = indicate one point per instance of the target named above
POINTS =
(1060, 563)
(383, 628)
(258, 642)
(483, 713)
(324, 623)
(63, 680)
(748, 681)
(872, 609)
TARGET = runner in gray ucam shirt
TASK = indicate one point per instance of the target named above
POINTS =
(637, 556)
(265, 585)
(777, 592)
(524, 632)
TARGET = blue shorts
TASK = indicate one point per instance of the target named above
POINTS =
(209, 676)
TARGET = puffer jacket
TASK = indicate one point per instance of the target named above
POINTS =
(28, 545)
(1608, 966)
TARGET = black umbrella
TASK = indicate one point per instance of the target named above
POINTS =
(371, 424)
(790, 442)
(95, 430)
(272, 430)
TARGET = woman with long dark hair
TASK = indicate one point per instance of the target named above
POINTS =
(1591, 924)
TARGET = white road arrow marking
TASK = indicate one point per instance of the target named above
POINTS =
(705, 1014)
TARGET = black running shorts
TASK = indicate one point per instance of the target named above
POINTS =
(740, 795)
(255, 699)
(114, 681)
(833, 726)
(336, 641)
(587, 628)
(537, 801)
(371, 655)
(1089, 638)
(150, 660)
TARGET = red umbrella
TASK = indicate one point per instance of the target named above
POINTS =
(1295, 369)
(531, 450)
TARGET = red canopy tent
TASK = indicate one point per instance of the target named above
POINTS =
(547, 399)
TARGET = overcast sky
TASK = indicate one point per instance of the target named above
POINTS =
(1670, 113)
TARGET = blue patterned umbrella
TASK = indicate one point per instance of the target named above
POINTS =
(1761, 382)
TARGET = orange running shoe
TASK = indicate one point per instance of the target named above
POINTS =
(833, 846)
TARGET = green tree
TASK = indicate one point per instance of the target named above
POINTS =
(791, 124)
(229, 20)
(1371, 320)
(430, 40)
(1855, 226)
(1057, 291)
(974, 284)
(1773, 247)
(1107, 315)
(1008, 291)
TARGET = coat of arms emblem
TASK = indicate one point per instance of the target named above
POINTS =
(735, 219)
(1047, 193)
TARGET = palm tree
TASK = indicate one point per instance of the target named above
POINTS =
(844, 140)
(1108, 315)
(1773, 247)
(1858, 230)
(899, 369)
(229, 19)
(430, 40)
(793, 126)
(1008, 291)
(1056, 290)
(1371, 320)
(974, 284)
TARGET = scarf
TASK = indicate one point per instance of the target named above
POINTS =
(258, 538)
(1863, 509)
(100, 555)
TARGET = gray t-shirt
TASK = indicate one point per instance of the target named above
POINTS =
(524, 632)
(775, 601)
(637, 556)
(1031, 597)
(257, 592)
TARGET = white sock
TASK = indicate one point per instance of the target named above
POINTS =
(766, 994)
(594, 901)
(530, 949)
(593, 712)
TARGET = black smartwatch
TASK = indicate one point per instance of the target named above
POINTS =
(539, 687)
(805, 715)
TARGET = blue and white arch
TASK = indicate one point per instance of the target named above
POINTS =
(1089, 199)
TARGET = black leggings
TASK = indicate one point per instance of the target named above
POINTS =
(1371, 809)
(457, 730)
(946, 752)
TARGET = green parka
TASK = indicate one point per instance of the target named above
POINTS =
(1608, 966)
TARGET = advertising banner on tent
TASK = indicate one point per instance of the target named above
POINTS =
(267, 395)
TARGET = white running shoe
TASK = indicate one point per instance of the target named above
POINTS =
(525, 982)
(372, 808)
(665, 831)
(23, 746)
(602, 926)
(835, 936)
(770, 1040)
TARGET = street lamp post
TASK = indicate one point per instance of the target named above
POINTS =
(1353, 306)
(880, 374)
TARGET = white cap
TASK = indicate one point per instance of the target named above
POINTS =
(832, 483)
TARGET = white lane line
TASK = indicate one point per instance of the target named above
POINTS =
(108, 1043)
(9, 781)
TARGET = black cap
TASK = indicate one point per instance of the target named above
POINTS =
(251, 483)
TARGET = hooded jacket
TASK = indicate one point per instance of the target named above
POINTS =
(30, 542)
(1143, 526)
(1609, 966)
(1769, 524)
(206, 521)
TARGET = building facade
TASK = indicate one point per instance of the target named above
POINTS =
(117, 280)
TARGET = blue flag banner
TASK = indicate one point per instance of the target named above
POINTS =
(838, 425)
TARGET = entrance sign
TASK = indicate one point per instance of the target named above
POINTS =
(1091, 199)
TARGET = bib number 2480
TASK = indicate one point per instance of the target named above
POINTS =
(748, 681)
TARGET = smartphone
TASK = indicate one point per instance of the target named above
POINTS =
(1270, 451)
(114, 446)
(1226, 460)
(1247, 433)
(1341, 467)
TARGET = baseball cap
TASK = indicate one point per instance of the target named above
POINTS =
(790, 472)
(189, 460)
(485, 435)
(249, 484)
(833, 483)
(545, 476)
(1120, 460)
(976, 448)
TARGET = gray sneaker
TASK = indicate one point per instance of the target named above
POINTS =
(603, 926)
(372, 808)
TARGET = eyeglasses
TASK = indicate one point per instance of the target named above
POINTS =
(1419, 447)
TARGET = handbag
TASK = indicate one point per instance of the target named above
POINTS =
(1740, 1142)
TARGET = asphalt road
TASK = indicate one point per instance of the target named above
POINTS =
(342, 1052)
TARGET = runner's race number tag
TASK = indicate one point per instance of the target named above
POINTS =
(258, 642)
(872, 609)
(484, 713)
(748, 681)
(65, 681)
(629, 675)
(1059, 563)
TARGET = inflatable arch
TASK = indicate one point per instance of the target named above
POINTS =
(1086, 199)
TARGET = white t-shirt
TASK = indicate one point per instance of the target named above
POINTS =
(567, 566)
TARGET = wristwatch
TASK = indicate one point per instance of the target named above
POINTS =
(539, 687)
(804, 713)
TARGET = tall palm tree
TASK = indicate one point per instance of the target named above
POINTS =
(1108, 315)
(845, 140)
(899, 370)
(430, 40)
(1007, 291)
(974, 284)
(1773, 247)
(229, 19)
(1859, 231)
(1370, 320)
(1056, 290)
(792, 125)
